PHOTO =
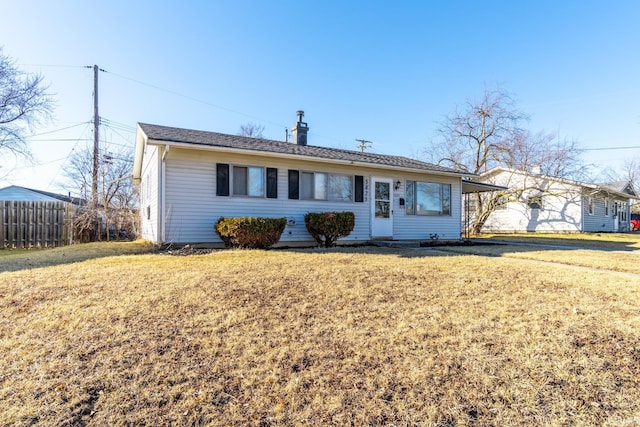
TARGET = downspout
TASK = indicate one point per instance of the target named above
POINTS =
(582, 206)
(162, 218)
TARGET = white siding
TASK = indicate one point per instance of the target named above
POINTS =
(559, 212)
(565, 207)
(411, 227)
(149, 195)
(561, 206)
(192, 207)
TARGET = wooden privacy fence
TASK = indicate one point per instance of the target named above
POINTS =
(26, 224)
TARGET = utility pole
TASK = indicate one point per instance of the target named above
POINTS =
(364, 144)
(96, 140)
(96, 137)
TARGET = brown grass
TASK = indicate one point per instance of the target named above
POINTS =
(352, 336)
(20, 259)
(609, 241)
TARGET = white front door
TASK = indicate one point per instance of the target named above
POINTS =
(615, 217)
(382, 208)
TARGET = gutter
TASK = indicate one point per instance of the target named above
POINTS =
(161, 203)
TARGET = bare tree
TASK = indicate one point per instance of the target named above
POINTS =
(487, 133)
(472, 138)
(24, 103)
(116, 211)
(630, 172)
(253, 130)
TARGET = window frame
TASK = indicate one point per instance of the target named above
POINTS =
(248, 179)
(412, 194)
(326, 186)
(535, 202)
(501, 204)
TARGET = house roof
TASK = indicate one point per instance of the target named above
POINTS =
(618, 189)
(196, 138)
(15, 192)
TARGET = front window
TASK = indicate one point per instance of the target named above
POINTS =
(324, 186)
(313, 185)
(340, 188)
(590, 205)
(427, 198)
(248, 181)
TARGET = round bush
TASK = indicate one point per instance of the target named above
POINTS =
(250, 233)
(327, 227)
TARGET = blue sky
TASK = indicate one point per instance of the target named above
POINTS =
(381, 71)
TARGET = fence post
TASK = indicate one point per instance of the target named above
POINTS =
(3, 227)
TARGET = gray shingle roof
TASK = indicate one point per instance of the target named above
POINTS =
(619, 186)
(15, 192)
(214, 139)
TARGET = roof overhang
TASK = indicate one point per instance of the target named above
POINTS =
(141, 140)
(479, 187)
(206, 147)
(614, 193)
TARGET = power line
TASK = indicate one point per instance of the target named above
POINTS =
(129, 146)
(57, 140)
(50, 161)
(69, 155)
(191, 98)
(57, 130)
(631, 147)
(118, 125)
(52, 65)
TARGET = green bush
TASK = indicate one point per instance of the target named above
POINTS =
(250, 233)
(327, 227)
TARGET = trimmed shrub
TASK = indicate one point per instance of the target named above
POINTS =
(327, 227)
(250, 233)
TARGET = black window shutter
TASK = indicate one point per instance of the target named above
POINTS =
(272, 183)
(359, 193)
(294, 184)
(222, 179)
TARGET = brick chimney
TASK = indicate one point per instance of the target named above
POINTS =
(299, 130)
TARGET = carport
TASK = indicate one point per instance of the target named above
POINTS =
(473, 187)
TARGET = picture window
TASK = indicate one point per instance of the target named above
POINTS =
(427, 198)
(325, 186)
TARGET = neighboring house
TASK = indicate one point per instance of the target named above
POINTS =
(188, 179)
(536, 202)
(31, 218)
(23, 194)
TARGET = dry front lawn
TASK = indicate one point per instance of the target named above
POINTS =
(352, 336)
